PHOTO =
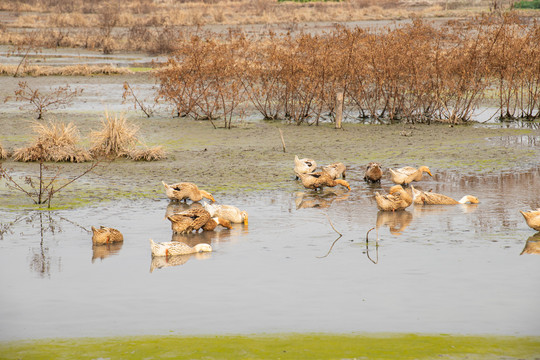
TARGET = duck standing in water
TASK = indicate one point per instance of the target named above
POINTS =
(177, 248)
(396, 199)
(320, 179)
(431, 198)
(373, 172)
(227, 212)
(186, 190)
(195, 219)
(106, 235)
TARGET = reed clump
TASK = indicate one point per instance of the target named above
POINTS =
(4, 154)
(116, 137)
(54, 141)
(147, 154)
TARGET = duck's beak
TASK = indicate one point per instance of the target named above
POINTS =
(429, 172)
(246, 221)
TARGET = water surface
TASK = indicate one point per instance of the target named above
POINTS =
(438, 269)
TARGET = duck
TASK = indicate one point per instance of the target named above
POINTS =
(373, 172)
(431, 198)
(335, 170)
(195, 219)
(227, 212)
(532, 218)
(106, 235)
(414, 173)
(303, 166)
(320, 179)
(396, 199)
(177, 248)
(408, 174)
(186, 190)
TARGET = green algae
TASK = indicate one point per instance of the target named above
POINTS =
(280, 346)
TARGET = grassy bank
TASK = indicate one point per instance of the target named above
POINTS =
(288, 346)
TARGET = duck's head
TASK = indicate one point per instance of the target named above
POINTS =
(245, 217)
(396, 188)
(207, 195)
(344, 183)
(470, 199)
(425, 169)
(203, 247)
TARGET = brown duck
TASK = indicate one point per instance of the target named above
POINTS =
(320, 179)
(431, 198)
(335, 170)
(195, 219)
(532, 218)
(106, 235)
(407, 174)
(186, 190)
(373, 172)
(396, 199)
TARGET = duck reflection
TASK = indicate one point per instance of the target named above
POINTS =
(313, 200)
(159, 262)
(103, 251)
(176, 207)
(397, 221)
(532, 246)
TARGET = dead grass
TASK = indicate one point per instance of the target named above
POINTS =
(55, 141)
(116, 137)
(3, 153)
(147, 154)
(81, 26)
(72, 70)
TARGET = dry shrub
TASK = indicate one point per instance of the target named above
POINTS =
(116, 137)
(56, 142)
(147, 154)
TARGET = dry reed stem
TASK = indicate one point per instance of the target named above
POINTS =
(55, 142)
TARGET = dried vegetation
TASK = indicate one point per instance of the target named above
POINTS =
(414, 73)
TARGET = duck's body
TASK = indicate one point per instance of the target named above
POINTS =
(408, 174)
(532, 218)
(304, 166)
(431, 198)
(176, 248)
(195, 219)
(396, 199)
(335, 170)
(320, 179)
(227, 212)
(186, 190)
(106, 235)
(373, 172)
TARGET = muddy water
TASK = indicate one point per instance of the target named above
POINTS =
(438, 269)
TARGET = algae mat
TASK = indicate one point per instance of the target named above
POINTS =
(288, 346)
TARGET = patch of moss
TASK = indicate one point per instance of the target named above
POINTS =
(279, 346)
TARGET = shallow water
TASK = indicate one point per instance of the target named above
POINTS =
(437, 269)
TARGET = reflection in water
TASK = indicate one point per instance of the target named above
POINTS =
(103, 251)
(40, 260)
(376, 261)
(397, 221)
(310, 200)
(532, 246)
(159, 262)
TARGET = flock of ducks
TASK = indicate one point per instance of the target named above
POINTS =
(399, 197)
(211, 215)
